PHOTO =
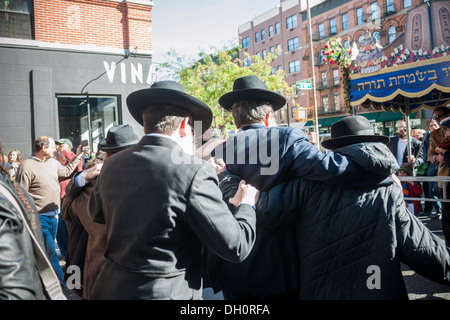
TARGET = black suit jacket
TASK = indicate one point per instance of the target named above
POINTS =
(416, 149)
(160, 206)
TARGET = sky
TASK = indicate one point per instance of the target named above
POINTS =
(189, 26)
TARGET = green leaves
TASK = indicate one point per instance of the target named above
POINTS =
(213, 75)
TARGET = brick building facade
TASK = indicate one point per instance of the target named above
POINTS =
(67, 66)
(349, 20)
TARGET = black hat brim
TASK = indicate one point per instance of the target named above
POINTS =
(343, 141)
(228, 99)
(139, 100)
(117, 148)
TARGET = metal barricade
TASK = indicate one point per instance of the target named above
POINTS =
(444, 181)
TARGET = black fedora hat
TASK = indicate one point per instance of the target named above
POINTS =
(251, 88)
(350, 130)
(168, 92)
(118, 138)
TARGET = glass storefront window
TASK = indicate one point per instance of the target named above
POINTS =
(87, 118)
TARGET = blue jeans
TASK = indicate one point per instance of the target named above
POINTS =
(49, 227)
(62, 237)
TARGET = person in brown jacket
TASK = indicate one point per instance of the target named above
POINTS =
(74, 210)
(436, 138)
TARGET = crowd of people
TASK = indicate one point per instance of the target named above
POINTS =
(261, 215)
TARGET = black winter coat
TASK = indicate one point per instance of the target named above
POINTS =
(271, 267)
(351, 241)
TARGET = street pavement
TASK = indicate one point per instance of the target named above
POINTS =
(418, 287)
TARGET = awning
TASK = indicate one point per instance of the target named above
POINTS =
(378, 116)
(310, 123)
(371, 116)
(384, 116)
(406, 88)
(329, 121)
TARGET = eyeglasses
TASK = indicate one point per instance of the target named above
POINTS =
(439, 116)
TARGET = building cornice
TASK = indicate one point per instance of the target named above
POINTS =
(149, 3)
(41, 45)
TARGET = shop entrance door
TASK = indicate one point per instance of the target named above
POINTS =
(87, 117)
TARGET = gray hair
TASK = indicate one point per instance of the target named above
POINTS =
(248, 112)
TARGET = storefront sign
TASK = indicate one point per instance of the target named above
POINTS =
(130, 72)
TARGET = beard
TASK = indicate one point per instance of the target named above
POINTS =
(402, 135)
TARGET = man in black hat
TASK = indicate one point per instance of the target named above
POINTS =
(351, 241)
(160, 204)
(265, 155)
(87, 239)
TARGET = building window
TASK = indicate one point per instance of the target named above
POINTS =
(406, 3)
(256, 37)
(277, 28)
(279, 48)
(273, 70)
(15, 19)
(391, 34)
(345, 21)
(336, 77)
(264, 54)
(346, 44)
(291, 22)
(337, 102)
(245, 42)
(272, 50)
(279, 68)
(321, 31)
(87, 117)
(360, 38)
(263, 34)
(322, 57)
(376, 35)
(293, 44)
(247, 61)
(333, 26)
(325, 104)
(359, 16)
(270, 31)
(324, 79)
(390, 6)
(374, 10)
(294, 66)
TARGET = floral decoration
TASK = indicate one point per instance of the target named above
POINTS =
(403, 55)
(335, 53)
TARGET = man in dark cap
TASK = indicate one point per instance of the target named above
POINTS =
(265, 155)
(161, 204)
(351, 241)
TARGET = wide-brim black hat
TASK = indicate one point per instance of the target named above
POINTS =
(251, 88)
(445, 122)
(351, 130)
(169, 92)
(118, 138)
